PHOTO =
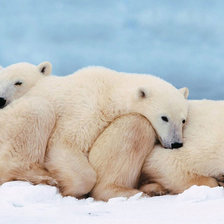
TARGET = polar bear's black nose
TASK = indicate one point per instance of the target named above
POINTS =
(2, 102)
(176, 145)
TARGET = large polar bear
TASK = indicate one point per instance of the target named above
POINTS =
(86, 102)
(200, 159)
(17, 79)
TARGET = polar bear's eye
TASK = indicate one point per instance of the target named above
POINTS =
(183, 121)
(18, 83)
(164, 118)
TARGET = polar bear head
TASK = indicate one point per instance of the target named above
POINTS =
(164, 106)
(18, 79)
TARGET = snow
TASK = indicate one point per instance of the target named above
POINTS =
(21, 202)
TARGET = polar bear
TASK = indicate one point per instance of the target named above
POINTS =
(16, 146)
(199, 160)
(118, 155)
(17, 79)
(86, 102)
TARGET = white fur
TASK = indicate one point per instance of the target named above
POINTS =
(26, 127)
(86, 102)
(201, 156)
(27, 74)
(95, 96)
(26, 124)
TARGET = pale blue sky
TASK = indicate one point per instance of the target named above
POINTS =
(180, 41)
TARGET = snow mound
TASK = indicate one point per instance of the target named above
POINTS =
(120, 199)
(201, 193)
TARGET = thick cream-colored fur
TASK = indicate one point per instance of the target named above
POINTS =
(26, 126)
(118, 155)
(17, 79)
(86, 102)
(21, 156)
(202, 156)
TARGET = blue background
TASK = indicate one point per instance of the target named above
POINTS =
(180, 41)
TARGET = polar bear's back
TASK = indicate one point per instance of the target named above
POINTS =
(205, 124)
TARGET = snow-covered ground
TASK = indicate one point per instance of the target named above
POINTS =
(21, 202)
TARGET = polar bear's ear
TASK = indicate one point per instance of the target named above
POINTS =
(142, 93)
(45, 68)
(185, 92)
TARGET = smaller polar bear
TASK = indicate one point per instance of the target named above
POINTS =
(200, 159)
(17, 79)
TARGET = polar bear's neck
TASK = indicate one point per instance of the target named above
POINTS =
(204, 144)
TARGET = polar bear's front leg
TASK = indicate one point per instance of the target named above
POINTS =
(118, 155)
(26, 126)
(71, 169)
